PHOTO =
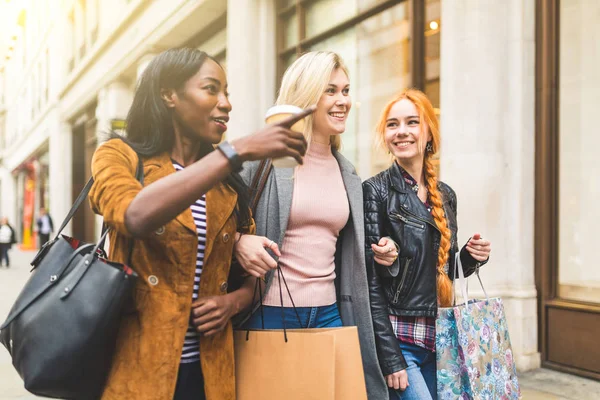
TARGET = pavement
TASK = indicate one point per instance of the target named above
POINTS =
(540, 384)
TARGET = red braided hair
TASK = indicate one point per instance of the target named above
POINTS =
(430, 171)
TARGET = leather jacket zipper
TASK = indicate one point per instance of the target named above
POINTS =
(399, 288)
(419, 219)
(407, 221)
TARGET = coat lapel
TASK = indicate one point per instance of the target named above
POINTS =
(220, 203)
(284, 180)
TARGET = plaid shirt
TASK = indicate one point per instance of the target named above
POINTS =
(419, 331)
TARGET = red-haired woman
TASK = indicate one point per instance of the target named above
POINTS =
(410, 204)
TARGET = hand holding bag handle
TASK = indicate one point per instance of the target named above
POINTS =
(462, 281)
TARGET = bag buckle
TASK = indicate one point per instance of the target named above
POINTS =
(40, 254)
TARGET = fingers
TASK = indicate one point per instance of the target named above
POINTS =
(382, 242)
(288, 122)
(479, 255)
(384, 261)
(208, 315)
(384, 251)
(268, 261)
(396, 381)
(271, 245)
(393, 381)
(404, 381)
(211, 328)
(260, 269)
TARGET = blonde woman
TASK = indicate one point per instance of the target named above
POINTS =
(409, 203)
(311, 217)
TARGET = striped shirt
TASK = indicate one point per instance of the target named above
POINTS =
(191, 345)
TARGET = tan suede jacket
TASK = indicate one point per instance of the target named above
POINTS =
(150, 339)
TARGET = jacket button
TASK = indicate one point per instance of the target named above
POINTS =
(160, 230)
(153, 280)
(224, 287)
(225, 237)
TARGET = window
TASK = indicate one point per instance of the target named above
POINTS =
(375, 39)
(579, 173)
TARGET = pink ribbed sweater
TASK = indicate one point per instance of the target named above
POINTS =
(319, 212)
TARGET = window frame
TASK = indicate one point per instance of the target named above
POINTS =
(298, 7)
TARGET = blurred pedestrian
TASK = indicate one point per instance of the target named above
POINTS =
(45, 226)
(7, 239)
(184, 220)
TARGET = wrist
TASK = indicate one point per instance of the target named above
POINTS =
(240, 147)
(232, 155)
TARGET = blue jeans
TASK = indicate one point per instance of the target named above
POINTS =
(422, 378)
(310, 317)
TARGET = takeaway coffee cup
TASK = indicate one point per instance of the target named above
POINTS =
(278, 113)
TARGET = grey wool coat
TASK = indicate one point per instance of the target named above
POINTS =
(272, 214)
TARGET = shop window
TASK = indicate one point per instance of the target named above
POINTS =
(579, 173)
(375, 39)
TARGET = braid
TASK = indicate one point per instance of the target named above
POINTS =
(444, 285)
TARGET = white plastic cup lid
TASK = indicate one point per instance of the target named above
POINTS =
(282, 109)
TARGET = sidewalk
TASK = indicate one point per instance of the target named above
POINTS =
(541, 384)
(545, 384)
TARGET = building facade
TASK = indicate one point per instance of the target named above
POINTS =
(514, 82)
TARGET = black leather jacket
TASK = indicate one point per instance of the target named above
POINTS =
(408, 288)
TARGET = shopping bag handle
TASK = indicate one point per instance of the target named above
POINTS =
(258, 287)
(462, 281)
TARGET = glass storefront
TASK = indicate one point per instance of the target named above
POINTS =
(579, 171)
(567, 184)
(377, 50)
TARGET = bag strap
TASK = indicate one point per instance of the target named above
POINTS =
(259, 181)
(462, 281)
(139, 175)
(82, 196)
(258, 286)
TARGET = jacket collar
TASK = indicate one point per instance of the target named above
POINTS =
(397, 180)
(409, 200)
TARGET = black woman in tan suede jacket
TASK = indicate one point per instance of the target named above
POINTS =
(184, 222)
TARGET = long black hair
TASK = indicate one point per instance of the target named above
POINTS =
(150, 128)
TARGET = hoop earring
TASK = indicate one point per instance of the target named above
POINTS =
(429, 147)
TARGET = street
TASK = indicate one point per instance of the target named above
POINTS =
(11, 282)
(540, 384)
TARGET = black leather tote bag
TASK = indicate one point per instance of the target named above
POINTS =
(62, 329)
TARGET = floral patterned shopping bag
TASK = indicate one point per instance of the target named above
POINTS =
(474, 355)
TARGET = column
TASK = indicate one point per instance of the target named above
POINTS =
(60, 171)
(488, 130)
(114, 101)
(251, 63)
(8, 203)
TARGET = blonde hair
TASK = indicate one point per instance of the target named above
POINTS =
(430, 171)
(305, 81)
